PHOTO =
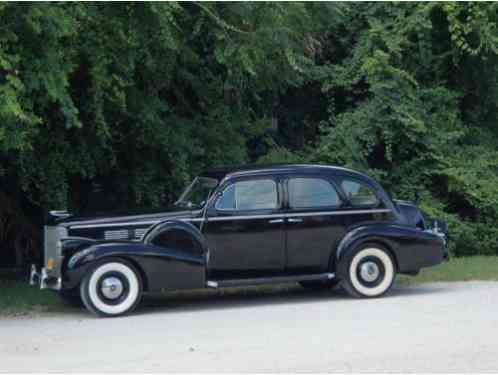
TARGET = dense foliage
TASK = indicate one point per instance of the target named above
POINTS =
(130, 100)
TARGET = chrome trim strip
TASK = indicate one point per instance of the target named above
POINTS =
(351, 212)
(268, 280)
(246, 217)
(145, 217)
(81, 226)
(134, 223)
(241, 217)
(303, 214)
(69, 238)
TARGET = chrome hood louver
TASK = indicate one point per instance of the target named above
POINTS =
(125, 234)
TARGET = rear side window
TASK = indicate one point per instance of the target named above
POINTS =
(311, 192)
(249, 195)
(359, 193)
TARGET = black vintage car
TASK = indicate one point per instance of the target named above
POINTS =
(312, 224)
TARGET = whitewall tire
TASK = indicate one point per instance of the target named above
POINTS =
(370, 272)
(111, 288)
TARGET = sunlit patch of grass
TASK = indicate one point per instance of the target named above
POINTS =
(19, 298)
(457, 269)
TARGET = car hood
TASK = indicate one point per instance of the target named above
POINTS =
(120, 217)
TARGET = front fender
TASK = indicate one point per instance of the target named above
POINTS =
(160, 267)
(101, 250)
(412, 248)
(179, 235)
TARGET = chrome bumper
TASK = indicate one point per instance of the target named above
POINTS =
(440, 229)
(43, 280)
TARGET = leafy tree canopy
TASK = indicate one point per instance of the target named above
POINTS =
(135, 98)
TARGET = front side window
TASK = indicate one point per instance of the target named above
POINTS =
(359, 193)
(311, 192)
(249, 195)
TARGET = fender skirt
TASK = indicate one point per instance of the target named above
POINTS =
(412, 248)
(161, 268)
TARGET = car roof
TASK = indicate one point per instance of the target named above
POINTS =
(223, 172)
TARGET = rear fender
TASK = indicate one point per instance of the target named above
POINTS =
(410, 247)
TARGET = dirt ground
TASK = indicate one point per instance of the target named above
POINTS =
(439, 327)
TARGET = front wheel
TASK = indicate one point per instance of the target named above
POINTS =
(112, 288)
(370, 272)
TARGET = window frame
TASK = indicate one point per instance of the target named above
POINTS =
(325, 178)
(360, 181)
(228, 184)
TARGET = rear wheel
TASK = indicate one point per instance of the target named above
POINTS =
(370, 272)
(112, 288)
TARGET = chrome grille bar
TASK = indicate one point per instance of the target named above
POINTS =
(52, 248)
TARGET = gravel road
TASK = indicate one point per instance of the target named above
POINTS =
(440, 327)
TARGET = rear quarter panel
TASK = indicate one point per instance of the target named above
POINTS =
(412, 248)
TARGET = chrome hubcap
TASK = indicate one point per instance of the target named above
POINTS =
(112, 287)
(369, 271)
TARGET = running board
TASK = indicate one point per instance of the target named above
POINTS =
(268, 280)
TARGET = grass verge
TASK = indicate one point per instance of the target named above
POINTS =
(457, 269)
(19, 298)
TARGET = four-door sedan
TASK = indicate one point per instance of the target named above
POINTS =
(312, 224)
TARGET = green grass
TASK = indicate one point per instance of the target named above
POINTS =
(18, 298)
(457, 269)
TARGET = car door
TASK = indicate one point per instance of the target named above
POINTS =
(314, 224)
(245, 228)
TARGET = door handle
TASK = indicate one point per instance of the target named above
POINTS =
(295, 220)
(276, 221)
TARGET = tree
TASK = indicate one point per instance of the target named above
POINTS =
(133, 99)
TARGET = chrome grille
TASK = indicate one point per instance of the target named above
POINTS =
(51, 246)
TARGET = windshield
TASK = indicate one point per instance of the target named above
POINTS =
(197, 193)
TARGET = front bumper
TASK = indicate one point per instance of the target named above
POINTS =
(43, 279)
